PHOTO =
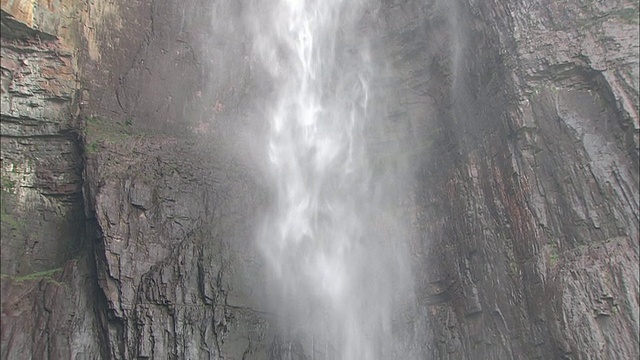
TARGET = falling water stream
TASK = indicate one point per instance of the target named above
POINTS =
(338, 267)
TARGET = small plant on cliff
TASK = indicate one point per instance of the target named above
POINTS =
(38, 275)
(8, 185)
(47, 274)
(92, 147)
(628, 15)
(513, 268)
(553, 254)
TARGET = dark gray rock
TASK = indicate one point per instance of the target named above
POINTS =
(522, 121)
(42, 214)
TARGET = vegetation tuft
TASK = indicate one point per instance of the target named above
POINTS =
(47, 274)
(553, 254)
(100, 131)
(630, 16)
(8, 185)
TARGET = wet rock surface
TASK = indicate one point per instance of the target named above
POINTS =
(174, 252)
(54, 314)
(523, 121)
(42, 210)
(532, 176)
(47, 282)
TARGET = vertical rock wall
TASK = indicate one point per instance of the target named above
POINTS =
(43, 217)
(168, 208)
(48, 295)
(528, 231)
(523, 121)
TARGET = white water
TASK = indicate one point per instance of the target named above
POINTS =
(333, 245)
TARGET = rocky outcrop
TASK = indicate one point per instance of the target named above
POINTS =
(529, 224)
(41, 159)
(48, 296)
(175, 252)
(53, 314)
(129, 196)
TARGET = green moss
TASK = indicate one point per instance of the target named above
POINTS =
(10, 221)
(7, 219)
(8, 185)
(513, 268)
(101, 129)
(47, 274)
(92, 147)
(553, 254)
(628, 15)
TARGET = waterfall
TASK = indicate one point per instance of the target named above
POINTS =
(336, 258)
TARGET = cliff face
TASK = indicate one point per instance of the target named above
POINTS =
(48, 291)
(129, 196)
(530, 191)
(160, 260)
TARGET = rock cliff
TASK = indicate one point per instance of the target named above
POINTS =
(129, 192)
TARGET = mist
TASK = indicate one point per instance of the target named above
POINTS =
(334, 238)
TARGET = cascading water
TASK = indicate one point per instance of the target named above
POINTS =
(338, 265)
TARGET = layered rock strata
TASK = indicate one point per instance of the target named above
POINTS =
(129, 195)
